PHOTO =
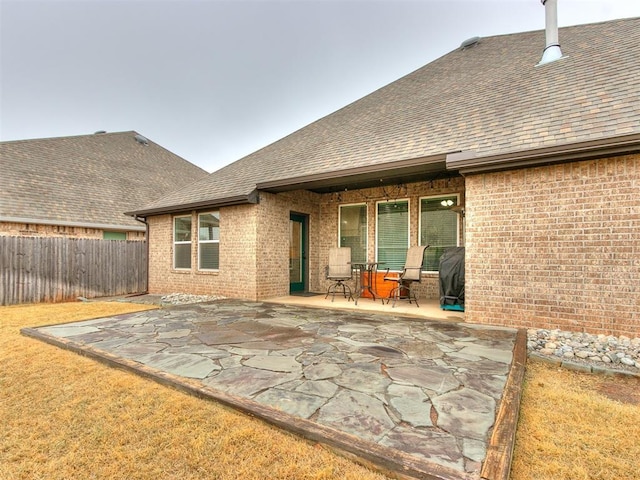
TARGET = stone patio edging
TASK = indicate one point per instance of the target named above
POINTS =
(497, 463)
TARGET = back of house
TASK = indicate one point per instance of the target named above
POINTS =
(533, 167)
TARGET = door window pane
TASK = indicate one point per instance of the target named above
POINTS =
(393, 234)
(295, 252)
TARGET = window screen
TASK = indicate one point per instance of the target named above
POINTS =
(393, 234)
(209, 241)
(438, 228)
(182, 242)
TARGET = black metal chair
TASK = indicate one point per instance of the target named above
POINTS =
(410, 274)
(339, 271)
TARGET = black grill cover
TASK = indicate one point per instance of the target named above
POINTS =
(452, 277)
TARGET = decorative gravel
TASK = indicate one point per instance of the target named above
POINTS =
(185, 298)
(598, 351)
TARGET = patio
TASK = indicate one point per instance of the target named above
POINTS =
(416, 397)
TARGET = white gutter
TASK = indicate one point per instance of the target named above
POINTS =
(552, 50)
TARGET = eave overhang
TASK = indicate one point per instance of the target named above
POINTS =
(251, 198)
(403, 171)
(468, 163)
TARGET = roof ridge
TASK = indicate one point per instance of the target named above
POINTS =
(63, 137)
(565, 27)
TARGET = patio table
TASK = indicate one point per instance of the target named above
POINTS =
(366, 279)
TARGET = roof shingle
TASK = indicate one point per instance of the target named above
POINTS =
(87, 179)
(491, 98)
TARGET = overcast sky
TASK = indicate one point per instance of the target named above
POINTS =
(213, 81)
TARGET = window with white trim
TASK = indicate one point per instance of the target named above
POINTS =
(392, 234)
(209, 241)
(182, 242)
(352, 230)
(439, 226)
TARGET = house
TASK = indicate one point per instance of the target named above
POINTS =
(533, 166)
(79, 186)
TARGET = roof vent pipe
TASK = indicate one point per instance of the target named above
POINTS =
(552, 50)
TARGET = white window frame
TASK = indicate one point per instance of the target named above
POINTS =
(200, 242)
(431, 197)
(189, 242)
(366, 234)
(408, 200)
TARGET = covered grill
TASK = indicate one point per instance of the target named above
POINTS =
(452, 279)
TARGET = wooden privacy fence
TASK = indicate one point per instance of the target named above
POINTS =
(44, 269)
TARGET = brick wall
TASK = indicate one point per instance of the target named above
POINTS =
(273, 246)
(254, 242)
(237, 274)
(429, 285)
(556, 247)
(38, 230)
(254, 249)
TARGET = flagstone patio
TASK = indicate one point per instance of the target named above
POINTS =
(413, 396)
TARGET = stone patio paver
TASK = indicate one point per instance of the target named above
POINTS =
(427, 389)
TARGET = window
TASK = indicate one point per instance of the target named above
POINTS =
(393, 234)
(438, 228)
(352, 231)
(209, 241)
(182, 242)
(114, 235)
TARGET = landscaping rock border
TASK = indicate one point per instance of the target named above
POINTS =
(585, 351)
(186, 298)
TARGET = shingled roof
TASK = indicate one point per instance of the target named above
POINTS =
(88, 180)
(490, 98)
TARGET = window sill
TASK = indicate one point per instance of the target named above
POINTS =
(207, 272)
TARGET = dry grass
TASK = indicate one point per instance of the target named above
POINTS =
(577, 426)
(65, 416)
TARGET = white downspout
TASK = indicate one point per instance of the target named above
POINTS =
(552, 50)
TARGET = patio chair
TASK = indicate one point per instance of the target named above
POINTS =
(410, 274)
(339, 271)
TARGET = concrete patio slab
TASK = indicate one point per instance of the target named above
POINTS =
(421, 398)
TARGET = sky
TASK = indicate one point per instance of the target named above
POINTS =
(215, 80)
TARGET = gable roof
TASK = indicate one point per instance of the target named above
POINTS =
(490, 98)
(88, 180)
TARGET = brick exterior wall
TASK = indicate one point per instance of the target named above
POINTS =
(237, 274)
(254, 250)
(254, 242)
(273, 246)
(429, 286)
(556, 247)
(38, 230)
